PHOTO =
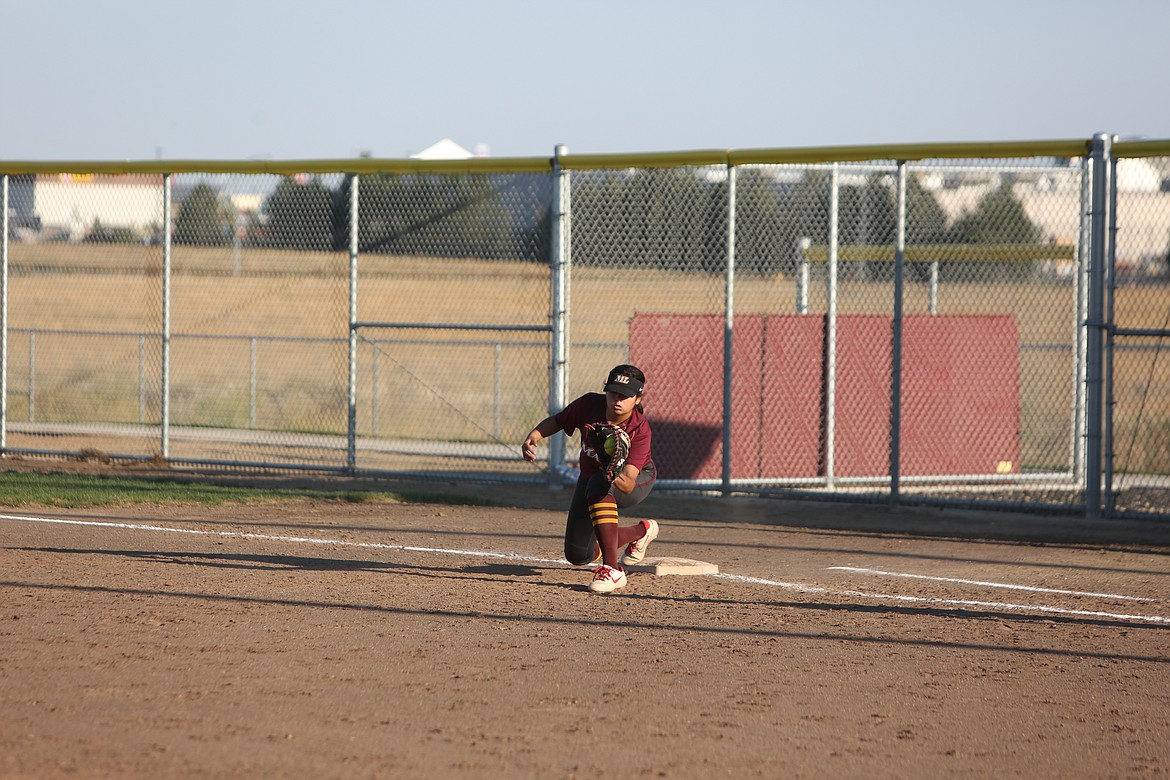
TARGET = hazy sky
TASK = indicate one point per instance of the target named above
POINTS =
(241, 79)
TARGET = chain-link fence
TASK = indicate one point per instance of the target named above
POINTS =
(961, 324)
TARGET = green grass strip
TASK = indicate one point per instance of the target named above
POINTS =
(20, 489)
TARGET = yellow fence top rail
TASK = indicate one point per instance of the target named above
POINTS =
(925, 253)
(1141, 149)
(709, 157)
(284, 167)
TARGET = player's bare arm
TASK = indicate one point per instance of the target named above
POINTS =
(628, 479)
(545, 428)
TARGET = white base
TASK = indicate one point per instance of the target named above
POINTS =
(674, 566)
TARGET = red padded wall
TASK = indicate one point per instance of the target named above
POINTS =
(862, 425)
(747, 346)
(960, 394)
(792, 381)
(682, 357)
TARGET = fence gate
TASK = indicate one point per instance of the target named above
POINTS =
(451, 338)
(1137, 345)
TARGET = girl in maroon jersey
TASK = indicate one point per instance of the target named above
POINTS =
(592, 532)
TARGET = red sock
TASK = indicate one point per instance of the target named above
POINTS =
(632, 533)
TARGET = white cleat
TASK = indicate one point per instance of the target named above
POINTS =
(636, 550)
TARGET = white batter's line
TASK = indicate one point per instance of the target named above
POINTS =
(1005, 585)
(797, 587)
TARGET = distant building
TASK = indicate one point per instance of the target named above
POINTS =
(1053, 203)
(68, 205)
(445, 149)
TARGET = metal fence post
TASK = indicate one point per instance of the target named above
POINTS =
(802, 245)
(728, 330)
(374, 401)
(252, 383)
(559, 314)
(831, 329)
(1080, 314)
(168, 235)
(933, 303)
(896, 340)
(1109, 325)
(1094, 326)
(3, 313)
(351, 411)
(32, 376)
(142, 379)
(496, 384)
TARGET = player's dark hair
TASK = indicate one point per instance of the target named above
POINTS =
(633, 372)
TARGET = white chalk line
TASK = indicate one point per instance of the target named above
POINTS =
(793, 586)
(293, 539)
(1008, 606)
(1005, 585)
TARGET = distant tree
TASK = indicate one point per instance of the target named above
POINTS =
(535, 240)
(867, 217)
(527, 197)
(926, 224)
(204, 220)
(762, 243)
(435, 215)
(869, 212)
(673, 223)
(998, 219)
(650, 218)
(926, 221)
(103, 234)
(601, 219)
(300, 215)
(480, 226)
(1164, 271)
(806, 211)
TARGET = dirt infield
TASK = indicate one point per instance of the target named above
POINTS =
(414, 640)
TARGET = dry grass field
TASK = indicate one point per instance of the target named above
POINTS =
(260, 340)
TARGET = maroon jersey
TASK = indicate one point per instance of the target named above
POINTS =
(587, 412)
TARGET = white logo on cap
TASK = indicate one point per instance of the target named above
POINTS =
(621, 380)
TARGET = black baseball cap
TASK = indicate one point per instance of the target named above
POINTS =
(623, 385)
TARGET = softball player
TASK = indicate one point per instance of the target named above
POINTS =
(607, 482)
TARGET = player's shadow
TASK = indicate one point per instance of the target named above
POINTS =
(300, 562)
(497, 573)
(702, 537)
(671, 626)
(502, 570)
